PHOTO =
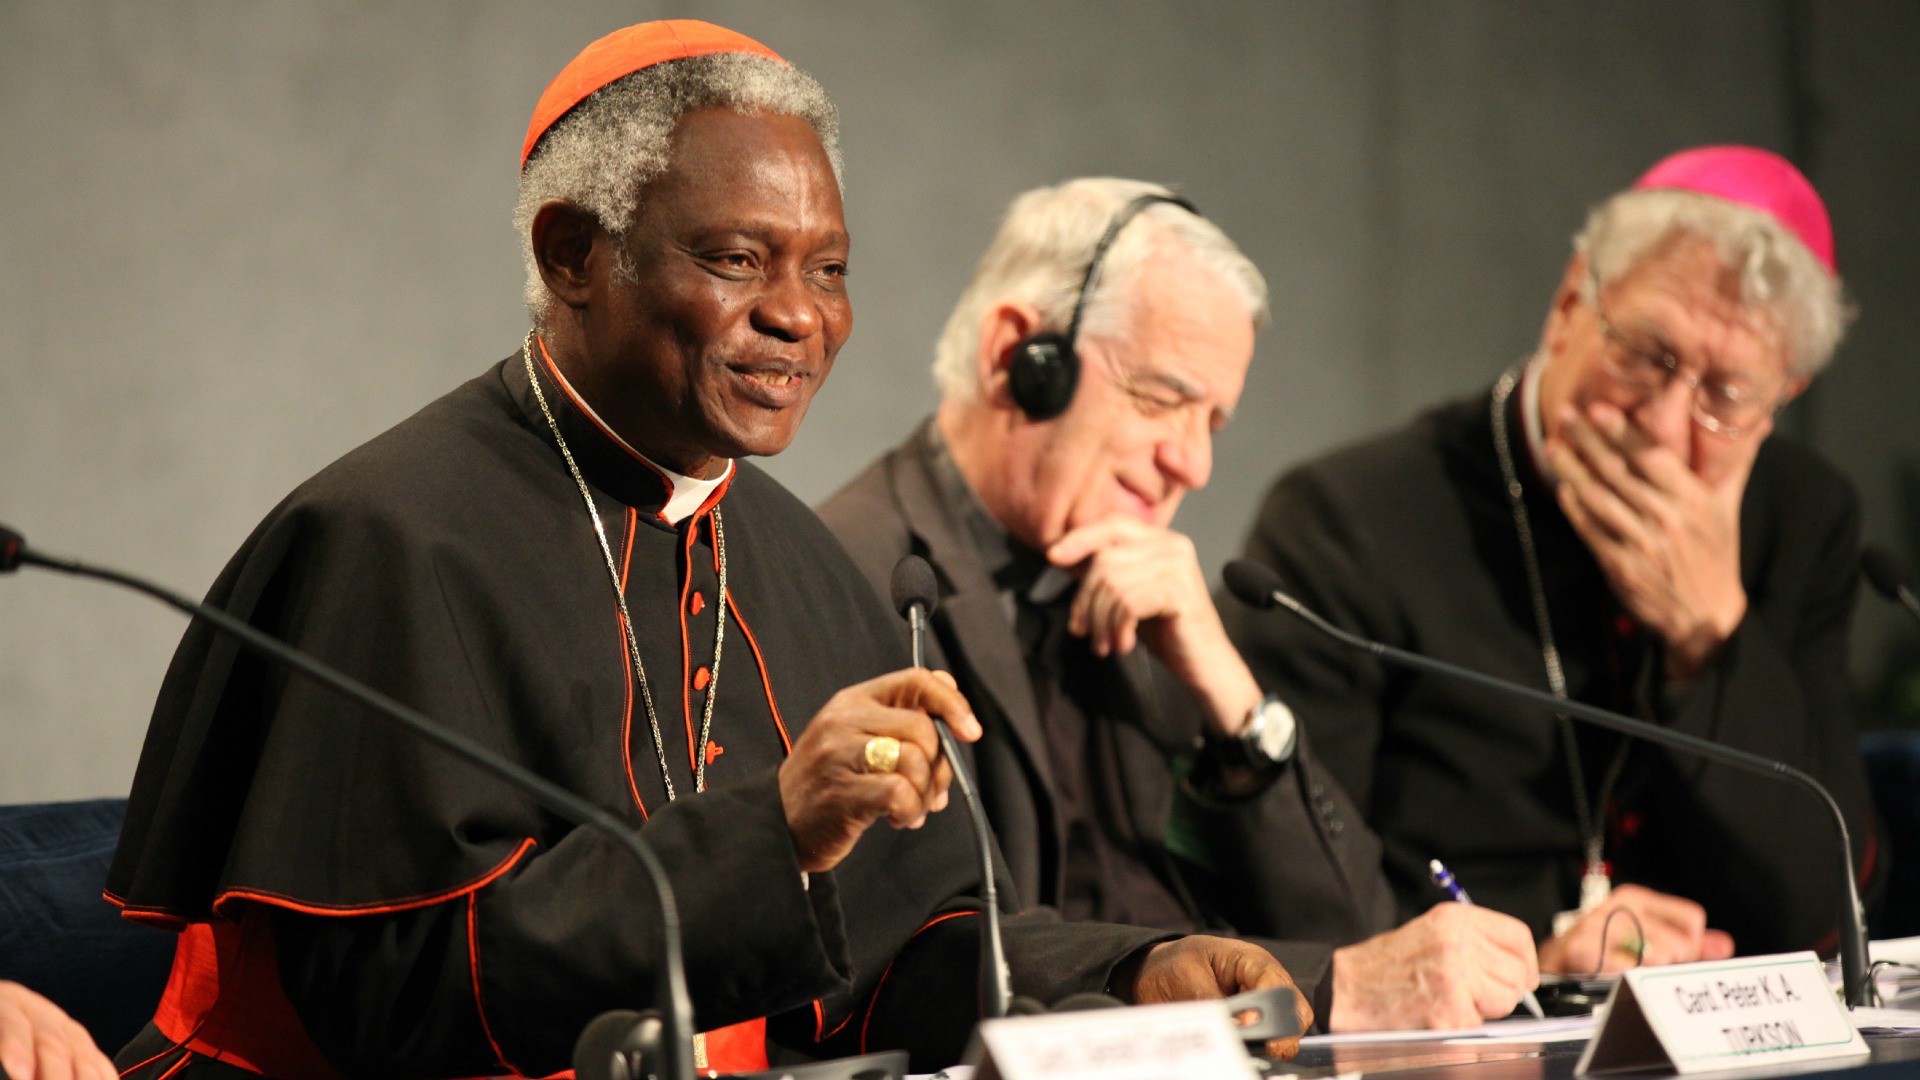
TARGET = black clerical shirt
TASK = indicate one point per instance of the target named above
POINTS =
(1108, 872)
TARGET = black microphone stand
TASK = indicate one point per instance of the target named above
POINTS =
(1258, 587)
(1883, 572)
(914, 594)
(675, 1048)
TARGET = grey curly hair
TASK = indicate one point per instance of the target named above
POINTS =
(1778, 276)
(602, 153)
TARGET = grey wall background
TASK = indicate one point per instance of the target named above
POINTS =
(240, 238)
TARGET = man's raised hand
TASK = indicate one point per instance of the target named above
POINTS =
(1142, 583)
(829, 789)
(1668, 541)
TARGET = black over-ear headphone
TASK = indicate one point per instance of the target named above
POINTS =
(1045, 368)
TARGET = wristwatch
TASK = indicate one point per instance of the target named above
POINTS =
(1266, 742)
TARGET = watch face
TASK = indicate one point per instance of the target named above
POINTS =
(1276, 735)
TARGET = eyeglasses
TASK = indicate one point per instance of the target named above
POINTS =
(1646, 368)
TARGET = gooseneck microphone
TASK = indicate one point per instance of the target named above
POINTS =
(914, 595)
(915, 592)
(654, 1043)
(10, 548)
(1883, 572)
(1259, 587)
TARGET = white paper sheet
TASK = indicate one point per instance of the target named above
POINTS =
(1870, 1019)
(1521, 1029)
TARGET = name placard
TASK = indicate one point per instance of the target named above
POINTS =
(1722, 1014)
(1193, 1040)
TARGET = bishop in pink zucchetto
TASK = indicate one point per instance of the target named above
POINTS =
(1616, 519)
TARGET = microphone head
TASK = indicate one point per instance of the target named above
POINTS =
(1251, 583)
(1882, 571)
(913, 585)
(11, 544)
(619, 1045)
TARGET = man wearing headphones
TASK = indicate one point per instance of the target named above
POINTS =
(1103, 341)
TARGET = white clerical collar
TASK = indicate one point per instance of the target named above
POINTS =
(689, 494)
(686, 494)
(1530, 419)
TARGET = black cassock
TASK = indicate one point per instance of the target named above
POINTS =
(354, 901)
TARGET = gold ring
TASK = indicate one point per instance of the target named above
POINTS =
(882, 754)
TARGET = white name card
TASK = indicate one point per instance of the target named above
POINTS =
(1722, 1014)
(1193, 1040)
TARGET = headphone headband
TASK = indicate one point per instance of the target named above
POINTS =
(1127, 213)
(1045, 368)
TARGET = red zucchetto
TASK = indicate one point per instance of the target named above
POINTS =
(624, 52)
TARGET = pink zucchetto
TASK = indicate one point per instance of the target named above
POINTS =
(1751, 177)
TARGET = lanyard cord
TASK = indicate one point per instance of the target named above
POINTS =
(626, 620)
(1587, 813)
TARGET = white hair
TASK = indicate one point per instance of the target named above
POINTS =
(607, 148)
(1778, 276)
(1040, 257)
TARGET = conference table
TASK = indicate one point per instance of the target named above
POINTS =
(1892, 1055)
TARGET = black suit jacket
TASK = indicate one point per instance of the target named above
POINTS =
(1409, 539)
(1294, 862)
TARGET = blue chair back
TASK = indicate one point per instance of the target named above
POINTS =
(58, 936)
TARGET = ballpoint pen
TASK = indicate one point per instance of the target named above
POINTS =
(1444, 878)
